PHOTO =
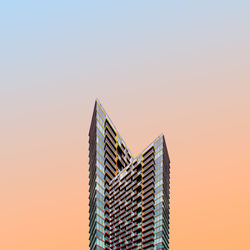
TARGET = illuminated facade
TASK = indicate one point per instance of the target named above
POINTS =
(128, 197)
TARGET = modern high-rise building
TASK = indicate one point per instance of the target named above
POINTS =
(128, 197)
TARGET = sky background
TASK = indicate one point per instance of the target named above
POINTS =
(177, 67)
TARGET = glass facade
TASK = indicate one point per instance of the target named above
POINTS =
(128, 197)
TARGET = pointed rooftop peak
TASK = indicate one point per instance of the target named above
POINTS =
(97, 101)
(154, 142)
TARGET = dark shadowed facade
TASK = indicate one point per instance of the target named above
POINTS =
(128, 197)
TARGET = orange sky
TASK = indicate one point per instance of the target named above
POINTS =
(168, 68)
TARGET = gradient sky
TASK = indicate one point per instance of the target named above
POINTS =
(177, 67)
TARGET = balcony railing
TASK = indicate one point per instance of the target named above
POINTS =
(146, 188)
(151, 163)
(148, 153)
(109, 153)
(151, 203)
(147, 222)
(110, 143)
(112, 131)
(148, 170)
(147, 177)
(148, 160)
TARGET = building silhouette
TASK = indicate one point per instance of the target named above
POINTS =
(128, 197)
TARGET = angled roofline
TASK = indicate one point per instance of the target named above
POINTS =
(97, 101)
(150, 145)
(139, 155)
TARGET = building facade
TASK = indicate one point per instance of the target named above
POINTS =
(128, 197)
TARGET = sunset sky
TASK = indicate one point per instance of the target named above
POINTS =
(177, 67)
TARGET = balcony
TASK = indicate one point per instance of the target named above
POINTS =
(147, 187)
(148, 233)
(150, 224)
(149, 204)
(135, 174)
(149, 164)
(148, 152)
(129, 186)
(148, 244)
(147, 217)
(120, 194)
(110, 128)
(111, 176)
(148, 192)
(147, 212)
(110, 137)
(120, 165)
(148, 177)
(145, 162)
(137, 167)
(108, 142)
(128, 182)
(128, 175)
(148, 171)
(111, 161)
(147, 222)
(148, 181)
(149, 198)
(122, 161)
(138, 184)
(109, 153)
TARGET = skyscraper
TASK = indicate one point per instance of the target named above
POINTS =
(128, 197)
